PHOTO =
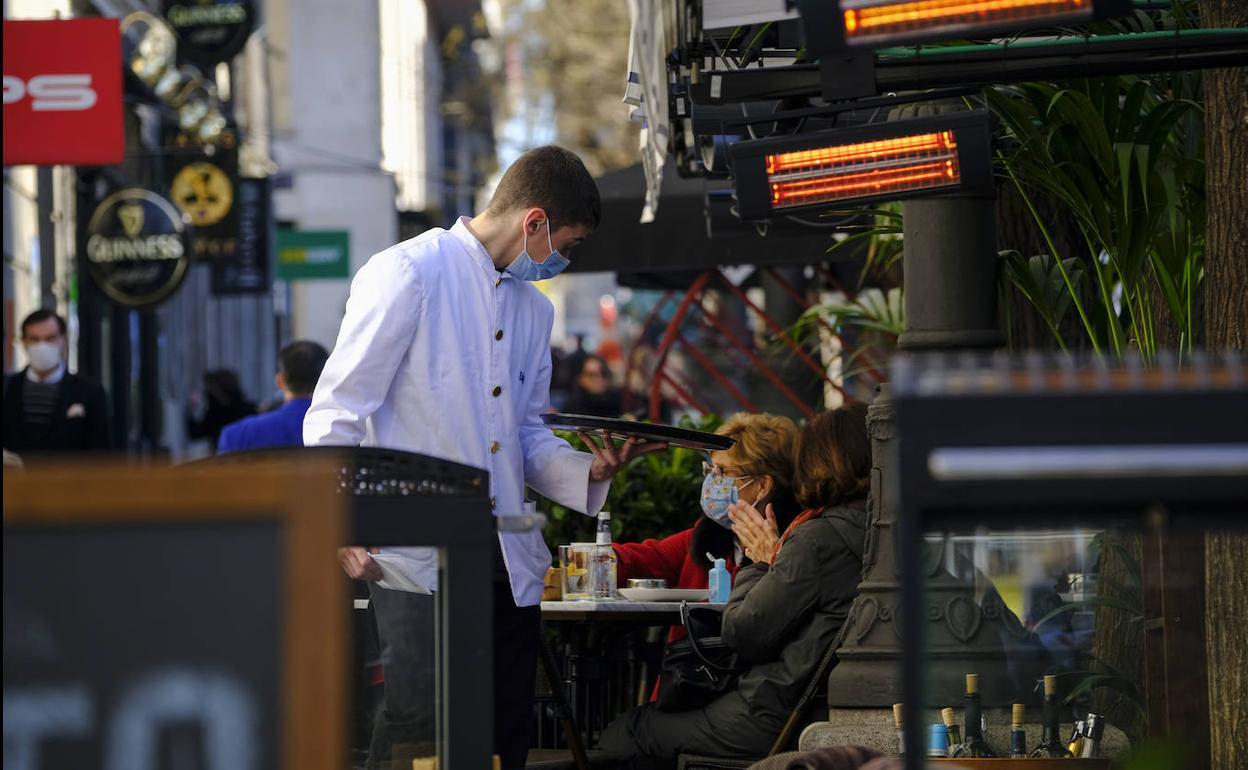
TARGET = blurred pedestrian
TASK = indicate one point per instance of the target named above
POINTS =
(593, 392)
(221, 403)
(564, 367)
(46, 408)
(299, 367)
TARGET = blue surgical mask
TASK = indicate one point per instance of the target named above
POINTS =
(524, 268)
(719, 492)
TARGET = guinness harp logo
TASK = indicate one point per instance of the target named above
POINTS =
(131, 218)
(136, 247)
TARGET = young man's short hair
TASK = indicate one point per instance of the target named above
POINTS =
(555, 180)
(39, 316)
(301, 363)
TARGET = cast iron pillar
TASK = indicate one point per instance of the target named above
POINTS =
(950, 259)
(950, 273)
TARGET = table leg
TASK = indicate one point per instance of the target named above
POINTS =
(563, 712)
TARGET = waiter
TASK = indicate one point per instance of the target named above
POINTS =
(445, 350)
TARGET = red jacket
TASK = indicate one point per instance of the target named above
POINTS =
(669, 559)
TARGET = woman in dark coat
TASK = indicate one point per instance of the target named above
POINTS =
(785, 610)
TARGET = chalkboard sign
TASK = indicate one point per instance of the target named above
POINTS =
(173, 619)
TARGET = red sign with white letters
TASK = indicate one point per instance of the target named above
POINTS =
(62, 92)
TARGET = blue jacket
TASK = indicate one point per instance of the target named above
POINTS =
(279, 428)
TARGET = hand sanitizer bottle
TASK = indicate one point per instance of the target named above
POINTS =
(720, 583)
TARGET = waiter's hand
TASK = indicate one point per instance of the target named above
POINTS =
(609, 459)
(358, 565)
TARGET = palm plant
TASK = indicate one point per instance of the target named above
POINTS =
(1111, 151)
(876, 317)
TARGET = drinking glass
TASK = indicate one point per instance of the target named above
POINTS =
(576, 560)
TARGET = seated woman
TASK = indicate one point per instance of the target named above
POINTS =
(786, 607)
(758, 469)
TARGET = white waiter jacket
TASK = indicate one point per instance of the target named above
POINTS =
(440, 353)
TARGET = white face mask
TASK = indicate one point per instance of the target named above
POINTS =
(44, 356)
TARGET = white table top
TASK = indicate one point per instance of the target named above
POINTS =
(619, 605)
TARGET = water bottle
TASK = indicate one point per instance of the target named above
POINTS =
(604, 574)
(720, 583)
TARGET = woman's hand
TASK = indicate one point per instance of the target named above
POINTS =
(758, 535)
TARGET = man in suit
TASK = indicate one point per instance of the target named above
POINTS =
(47, 409)
(299, 367)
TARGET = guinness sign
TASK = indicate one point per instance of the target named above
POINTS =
(210, 31)
(136, 247)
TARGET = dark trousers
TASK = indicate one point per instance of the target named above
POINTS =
(406, 624)
(653, 739)
(516, 642)
(405, 727)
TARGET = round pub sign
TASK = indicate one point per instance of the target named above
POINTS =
(136, 247)
(210, 31)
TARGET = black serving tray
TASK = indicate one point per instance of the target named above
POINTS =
(648, 431)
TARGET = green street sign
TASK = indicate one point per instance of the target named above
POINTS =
(313, 254)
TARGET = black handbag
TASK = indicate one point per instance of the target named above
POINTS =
(699, 668)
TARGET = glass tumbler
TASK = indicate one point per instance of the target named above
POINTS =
(576, 560)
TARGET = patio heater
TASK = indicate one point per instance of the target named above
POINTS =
(939, 165)
(844, 24)
(949, 238)
(844, 34)
(839, 168)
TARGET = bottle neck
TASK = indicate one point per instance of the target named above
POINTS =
(973, 716)
(1052, 727)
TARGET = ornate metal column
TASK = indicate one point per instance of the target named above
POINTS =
(950, 295)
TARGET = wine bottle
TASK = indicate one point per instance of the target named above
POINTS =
(974, 744)
(1018, 733)
(901, 734)
(1092, 736)
(1075, 745)
(1050, 738)
(951, 722)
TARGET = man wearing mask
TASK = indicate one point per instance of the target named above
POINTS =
(445, 350)
(47, 409)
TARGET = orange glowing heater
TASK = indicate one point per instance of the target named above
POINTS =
(865, 169)
(876, 22)
(891, 160)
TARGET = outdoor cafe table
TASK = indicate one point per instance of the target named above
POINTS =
(578, 618)
(615, 611)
